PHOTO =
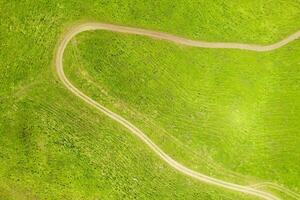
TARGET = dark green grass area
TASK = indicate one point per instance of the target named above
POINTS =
(53, 146)
(229, 113)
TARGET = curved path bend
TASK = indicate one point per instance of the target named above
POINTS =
(132, 128)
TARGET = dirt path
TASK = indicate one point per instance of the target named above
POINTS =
(162, 36)
(280, 188)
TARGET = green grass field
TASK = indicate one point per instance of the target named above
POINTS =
(231, 114)
(218, 111)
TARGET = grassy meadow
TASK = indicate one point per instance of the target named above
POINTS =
(234, 114)
(230, 113)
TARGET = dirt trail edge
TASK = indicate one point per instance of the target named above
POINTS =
(162, 36)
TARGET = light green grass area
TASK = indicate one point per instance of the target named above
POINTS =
(54, 146)
(230, 113)
(62, 149)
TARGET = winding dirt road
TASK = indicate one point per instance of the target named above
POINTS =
(168, 37)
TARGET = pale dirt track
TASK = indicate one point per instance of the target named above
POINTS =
(162, 36)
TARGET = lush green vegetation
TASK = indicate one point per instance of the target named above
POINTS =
(53, 146)
(211, 109)
(62, 149)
